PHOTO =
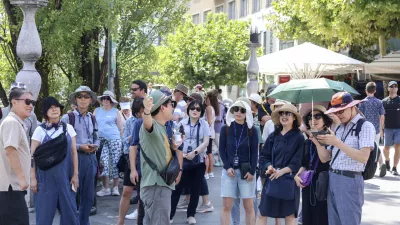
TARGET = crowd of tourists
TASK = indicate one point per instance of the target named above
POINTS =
(165, 143)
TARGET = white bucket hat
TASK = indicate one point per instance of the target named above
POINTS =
(72, 97)
(249, 117)
(256, 98)
(108, 94)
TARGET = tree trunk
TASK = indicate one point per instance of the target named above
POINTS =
(104, 67)
(3, 96)
(117, 87)
(382, 53)
(43, 69)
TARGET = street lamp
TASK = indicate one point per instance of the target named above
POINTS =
(29, 48)
(252, 67)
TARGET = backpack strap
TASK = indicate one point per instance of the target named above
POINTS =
(360, 122)
(198, 135)
(71, 118)
(94, 122)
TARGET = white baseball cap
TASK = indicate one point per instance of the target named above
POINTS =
(256, 98)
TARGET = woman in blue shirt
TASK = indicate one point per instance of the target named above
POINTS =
(238, 149)
(110, 124)
(280, 160)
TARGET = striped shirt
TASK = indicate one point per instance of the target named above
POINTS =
(365, 138)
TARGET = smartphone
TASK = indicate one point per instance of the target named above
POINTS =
(324, 131)
(73, 188)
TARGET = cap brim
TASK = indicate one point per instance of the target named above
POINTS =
(351, 104)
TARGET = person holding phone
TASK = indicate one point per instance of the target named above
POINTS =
(280, 160)
(87, 144)
(55, 187)
(239, 152)
(314, 212)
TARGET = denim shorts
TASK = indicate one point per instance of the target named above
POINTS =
(392, 137)
(235, 187)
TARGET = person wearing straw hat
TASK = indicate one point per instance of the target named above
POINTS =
(269, 126)
(87, 143)
(157, 144)
(110, 131)
(238, 149)
(314, 212)
(181, 94)
(279, 160)
(348, 154)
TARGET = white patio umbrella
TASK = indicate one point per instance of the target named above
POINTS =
(307, 61)
(389, 64)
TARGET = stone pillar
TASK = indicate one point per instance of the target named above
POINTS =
(29, 48)
(252, 67)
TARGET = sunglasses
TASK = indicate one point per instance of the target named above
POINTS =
(198, 109)
(285, 113)
(173, 103)
(135, 89)
(237, 109)
(316, 116)
(86, 96)
(28, 101)
(393, 86)
(105, 98)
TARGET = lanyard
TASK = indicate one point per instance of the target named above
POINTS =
(192, 128)
(237, 142)
(87, 127)
(312, 156)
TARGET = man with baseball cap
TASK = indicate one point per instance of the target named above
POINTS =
(156, 144)
(348, 153)
(392, 126)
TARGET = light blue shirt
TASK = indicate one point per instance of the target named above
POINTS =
(107, 121)
(128, 131)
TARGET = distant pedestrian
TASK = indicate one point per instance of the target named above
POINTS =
(264, 111)
(15, 159)
(392, 126)
(373, 110)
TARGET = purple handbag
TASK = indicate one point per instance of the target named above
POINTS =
(307, 175)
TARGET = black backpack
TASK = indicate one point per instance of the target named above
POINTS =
(71, 118)
(372, 163)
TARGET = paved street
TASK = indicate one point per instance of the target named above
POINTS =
(382, 203)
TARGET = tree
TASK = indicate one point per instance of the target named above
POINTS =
(210, 54)
(337, 23)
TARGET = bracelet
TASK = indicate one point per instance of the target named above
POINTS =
(146, 113)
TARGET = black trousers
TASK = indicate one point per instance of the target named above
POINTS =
(13, 209)
(191, 178)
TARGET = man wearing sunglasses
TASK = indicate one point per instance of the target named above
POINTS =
(87, 143)
(138, 89)
(15, 159)
(392, 126)
(349, 154)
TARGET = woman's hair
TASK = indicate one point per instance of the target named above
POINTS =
(327, 120)
(194, 103)
(213, 96)
(137, 105)
(16, 93)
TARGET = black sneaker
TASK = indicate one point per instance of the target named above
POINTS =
(395, 171)
(387, 165)
(93, 211)
(383, 171)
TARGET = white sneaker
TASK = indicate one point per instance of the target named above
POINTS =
(104, 192)
(115, 191)
(183, 204)
(132, 216)
(211, 175)
(171, 221)
(191, 220)
(206, 176)
(205, 208)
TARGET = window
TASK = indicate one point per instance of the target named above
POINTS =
(285, 44)
(196, 18)
(231, 10)
(269, 3)
(256, 5)
(205, 13)
(243, 8)
(219, 9)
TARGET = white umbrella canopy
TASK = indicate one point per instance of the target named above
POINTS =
(389, 64)
(307, 61)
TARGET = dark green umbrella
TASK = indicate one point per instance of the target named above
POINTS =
(310, 90)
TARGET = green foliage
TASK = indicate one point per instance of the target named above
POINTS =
(209, 54)
(336, 23)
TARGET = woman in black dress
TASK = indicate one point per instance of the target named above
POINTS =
(280, 160)
(314, 212)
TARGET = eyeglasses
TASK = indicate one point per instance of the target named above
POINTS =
(284, 113)
(237, 108)
(316, 116)
(80, 96)
(135, 89)
(198, 109)
(339, 112)
(105, 98)
(27, 101)
(173, 103)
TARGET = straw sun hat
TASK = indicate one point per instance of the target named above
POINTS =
(286, 108)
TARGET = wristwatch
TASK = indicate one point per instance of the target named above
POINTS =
(196, 152)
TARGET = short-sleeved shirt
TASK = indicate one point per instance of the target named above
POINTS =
(13, 134)
(40, 133)
(157, 148)
(30, 122)
(366, 138)
(372, 109)
(128, 134)
(392, 109)
(191, 135)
